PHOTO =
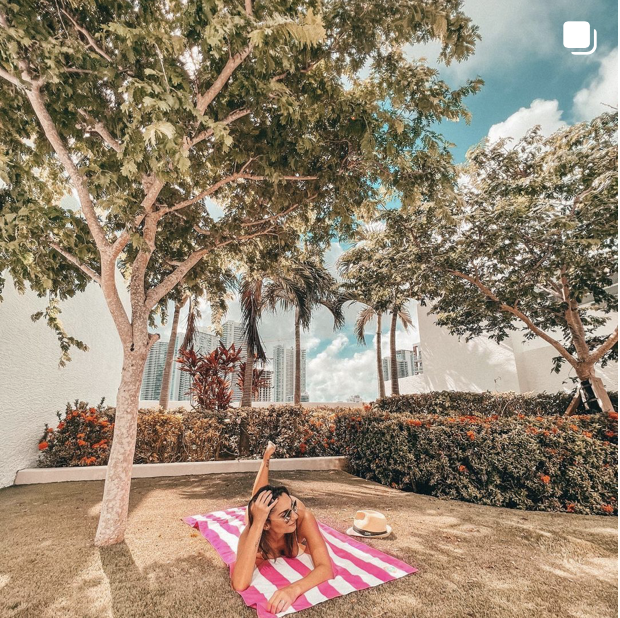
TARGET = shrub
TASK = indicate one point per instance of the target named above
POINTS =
(82, 438)
(483, 404)
(534, 462)
(549, 464)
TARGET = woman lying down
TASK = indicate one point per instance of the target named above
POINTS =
(278, 524)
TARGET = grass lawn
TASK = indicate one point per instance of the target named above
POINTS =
(474, 560)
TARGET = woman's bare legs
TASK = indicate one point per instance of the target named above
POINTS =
(262, 478)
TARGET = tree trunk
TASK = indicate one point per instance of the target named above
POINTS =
(297, 389)
(246, 396)
(115, 503)
(574, 404)
(164, 395)
(246, 402)
(587, 372)
(393, 362)
(379, 361)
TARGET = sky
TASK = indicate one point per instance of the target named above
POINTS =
(530, 78)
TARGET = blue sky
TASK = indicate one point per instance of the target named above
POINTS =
(530, 78)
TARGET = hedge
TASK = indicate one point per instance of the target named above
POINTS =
(485, 404)
(542, 462)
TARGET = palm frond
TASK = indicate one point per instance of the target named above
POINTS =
(363, 317)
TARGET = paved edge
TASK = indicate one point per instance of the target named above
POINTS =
(29, 476)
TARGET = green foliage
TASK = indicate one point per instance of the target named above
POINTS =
(264, 111)
(545, 465)
(519, 460)
(455, 403)
(529, 243)
(83, 437)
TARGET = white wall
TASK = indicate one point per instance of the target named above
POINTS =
(453, 365)
(32, 386)
(483, 364)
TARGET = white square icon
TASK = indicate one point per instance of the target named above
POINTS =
(577, 34)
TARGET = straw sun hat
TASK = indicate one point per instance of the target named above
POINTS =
(370, 524)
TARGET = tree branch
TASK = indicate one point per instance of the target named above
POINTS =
(487, 292)
(89, 271)
(610, 342)
(205, 100)
(158, 292)
(49, 128)
(240, 113)
(91, 41)
(99, 127)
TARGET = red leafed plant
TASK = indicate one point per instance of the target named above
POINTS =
(211, 381)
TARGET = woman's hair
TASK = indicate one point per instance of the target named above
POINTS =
(289, 538)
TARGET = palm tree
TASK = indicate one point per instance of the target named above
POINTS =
(252, 306)
(306, 285)
(398, 311)
(363, 318)
(164, 394)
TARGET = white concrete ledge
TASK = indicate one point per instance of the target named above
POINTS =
(29, 476)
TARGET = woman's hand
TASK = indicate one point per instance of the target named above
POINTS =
(269, 451)
(282, 599)
(262, 507)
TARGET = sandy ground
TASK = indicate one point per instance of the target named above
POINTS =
(473, 561)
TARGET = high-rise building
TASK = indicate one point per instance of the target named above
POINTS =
(153, 371)
(409, 363)
(284, 374)
(180, 381)
(265, 393)
(232, 333)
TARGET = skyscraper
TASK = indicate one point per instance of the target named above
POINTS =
(284, 374)
(409, 363)
(232, 333)
(153, 370)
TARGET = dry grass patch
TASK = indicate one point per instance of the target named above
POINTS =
(474, 561)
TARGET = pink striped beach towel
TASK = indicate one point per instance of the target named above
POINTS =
(356, 566)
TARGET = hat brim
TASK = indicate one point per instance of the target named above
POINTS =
(352, 532)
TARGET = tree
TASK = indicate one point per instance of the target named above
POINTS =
(146, 110)
(363, 318)
(373, 277)
(164, 395)
(530, 244)
(302, 285)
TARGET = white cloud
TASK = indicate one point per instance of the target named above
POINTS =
(509, 31)
(545, 113)
(600, 92)
(331, 378)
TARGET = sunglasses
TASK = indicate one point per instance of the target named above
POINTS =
(288, 514)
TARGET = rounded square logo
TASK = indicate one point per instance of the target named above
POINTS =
(577, 34)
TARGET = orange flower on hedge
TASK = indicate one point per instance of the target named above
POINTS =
(540, 418)
(570, 508)
(545, 479)
(574, 427)
(607, 508)
(302, 448)
(82, 443)
(613, 416)
(414, 422)
(610, 434)
(587, 434)
(60, 425)
(81, 435)
(471, 435)
(545, 433)
(43, 445)
(50, 430)
(462, 468)
(520, 415)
